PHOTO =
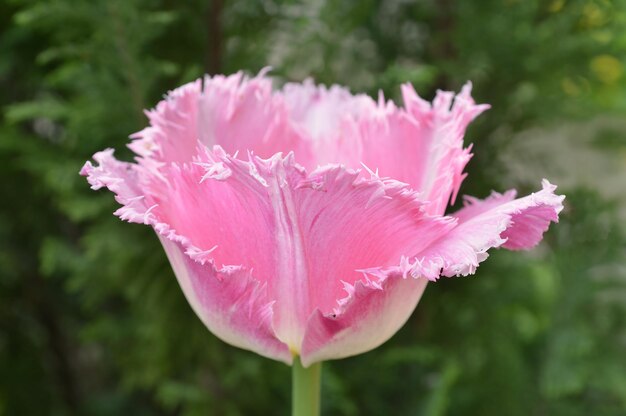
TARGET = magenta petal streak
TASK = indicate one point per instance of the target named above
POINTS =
(324, 252)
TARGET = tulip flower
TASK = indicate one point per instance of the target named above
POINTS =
(304, 223)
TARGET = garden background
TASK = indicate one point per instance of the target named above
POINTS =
(92, 321)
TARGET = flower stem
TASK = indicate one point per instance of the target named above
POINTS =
(305, 389)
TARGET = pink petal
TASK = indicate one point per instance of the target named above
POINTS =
(326, 116)
(244, 115)
(499, 220)
(238, 113)
(441, 157)
(233, 305)
(301, 234)
(421, 145)
(123, 180)
(230, 302)
(371, 314)
(173, 132)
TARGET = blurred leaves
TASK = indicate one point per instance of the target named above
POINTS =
(91, 318)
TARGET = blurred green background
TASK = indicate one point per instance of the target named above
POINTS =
(92, 321)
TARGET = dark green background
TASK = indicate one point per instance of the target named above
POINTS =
(92, 321)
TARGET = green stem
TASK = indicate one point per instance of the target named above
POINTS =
(305, 389)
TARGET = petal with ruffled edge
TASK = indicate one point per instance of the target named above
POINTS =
(229, 301)
(238, 113)
(374, 310)
(302, 235)
(121, 178)
(327, 116)
(441, 158)
(500, 220)
(172, 135)
(378, 306)
(421, 144)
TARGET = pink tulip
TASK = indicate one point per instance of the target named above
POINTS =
(307, 221)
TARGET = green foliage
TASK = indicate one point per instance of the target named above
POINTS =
(91, 319)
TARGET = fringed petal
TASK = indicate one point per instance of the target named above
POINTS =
(441, 157)
(230, 302)
(326, 117)
(238, 113)
(379, 304)
(123, 180)
(374, 310)
(500, 220)
(421, 144)
(301, 234)
(244, 115)
(172, 135)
